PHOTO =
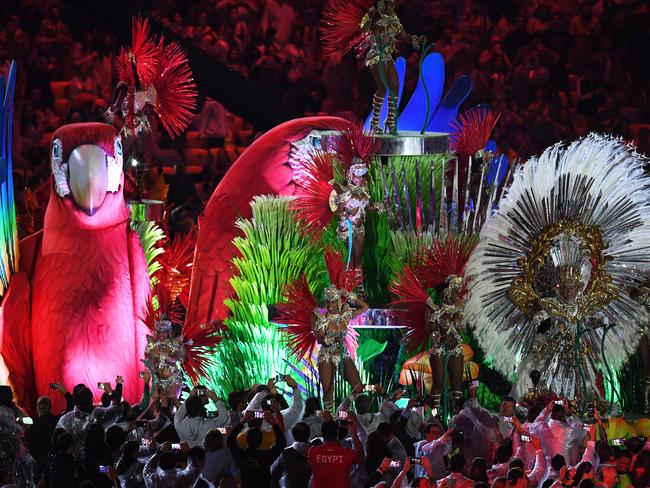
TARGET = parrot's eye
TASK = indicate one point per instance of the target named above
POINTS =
(57, 152)
(118, 147)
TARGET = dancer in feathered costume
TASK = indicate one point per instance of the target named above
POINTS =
(152, 73)
(167, 354)
(307, 325)
(549, 278)
(319, 197)
(440, 324)
(372, 30)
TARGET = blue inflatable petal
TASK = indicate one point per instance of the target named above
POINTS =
(433, 72)
(448, 109)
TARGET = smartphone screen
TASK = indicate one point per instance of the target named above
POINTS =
(176, 446)
(100, 386)
(259, 414)
(525, 438)
(343, 415)
(394, 464)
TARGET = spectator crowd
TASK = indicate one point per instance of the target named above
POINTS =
(270, 436)
(553, 69)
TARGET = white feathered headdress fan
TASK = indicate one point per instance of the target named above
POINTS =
(549, 279)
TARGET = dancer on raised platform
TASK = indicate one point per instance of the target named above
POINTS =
(307, 324)
(438, 318)
(372, 30)
(319, 197)
(550, 277)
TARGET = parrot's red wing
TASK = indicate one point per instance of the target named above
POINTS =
(15, 329)
(263, 169)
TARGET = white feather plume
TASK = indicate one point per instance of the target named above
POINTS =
(598, 180)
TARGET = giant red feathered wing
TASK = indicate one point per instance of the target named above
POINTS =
(341, 28)
(295, 317)
(410, 305)
(263, 169)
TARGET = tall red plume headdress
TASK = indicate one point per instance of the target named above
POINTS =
(341, 28)
(409, 306)
(433, 267)
(297, 310)
(471, 132)
(354, 143)
(444, 259)
(153, 73)
(314, 203)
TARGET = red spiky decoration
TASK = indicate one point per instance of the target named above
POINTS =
(410, 306)
(166, 68)
(175, 89)
(165, 305)
(471, 132)
(341, 278)
(341, 30)
(444, 259)
(295, 313)
(176, 264)
(200, 340)
(354, 142)
(143, 53)
(313, 190)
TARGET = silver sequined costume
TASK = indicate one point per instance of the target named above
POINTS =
(445, 323)
(354, 202)
(166, 357)
(333, 343)
(382, 36)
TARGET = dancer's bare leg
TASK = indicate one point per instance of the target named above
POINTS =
(326, 373)
(352, 375)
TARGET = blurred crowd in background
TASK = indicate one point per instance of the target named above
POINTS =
(554, 69)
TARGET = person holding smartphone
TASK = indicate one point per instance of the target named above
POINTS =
(190, 420)
(560, 431)
(255, 463)
(161, 471)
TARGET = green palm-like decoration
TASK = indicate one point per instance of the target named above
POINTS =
(272, 252)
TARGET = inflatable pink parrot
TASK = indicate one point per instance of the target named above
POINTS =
(265, 168)
(72, 313)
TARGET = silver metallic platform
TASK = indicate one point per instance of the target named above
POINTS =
(403, 144)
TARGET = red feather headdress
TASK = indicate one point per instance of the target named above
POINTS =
(341, 28)
(313, 192)
(446, 258)
(354, 142)
(200, 339)
(163, 72)
(471, 132)
(341, 278)
(410, 306)
(175, 89)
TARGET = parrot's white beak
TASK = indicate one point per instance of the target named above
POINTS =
(88, 177)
